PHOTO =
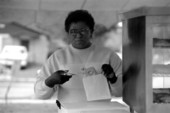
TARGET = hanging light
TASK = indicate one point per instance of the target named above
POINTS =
(119, 24)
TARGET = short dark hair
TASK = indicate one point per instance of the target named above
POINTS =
(79, 16)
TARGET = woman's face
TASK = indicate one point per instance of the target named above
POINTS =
(80, 35)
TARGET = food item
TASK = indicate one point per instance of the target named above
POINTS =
(90, 71)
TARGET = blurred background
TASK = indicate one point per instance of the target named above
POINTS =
(30, 30)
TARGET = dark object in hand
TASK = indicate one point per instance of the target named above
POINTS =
(58, 77)
(107, 69)
(58, 104)
(109, 73)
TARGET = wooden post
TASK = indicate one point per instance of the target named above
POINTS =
(15, 67)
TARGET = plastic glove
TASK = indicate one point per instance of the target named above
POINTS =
(109, 73)
(58, 77)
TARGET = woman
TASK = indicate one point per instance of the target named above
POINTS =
(78, 58)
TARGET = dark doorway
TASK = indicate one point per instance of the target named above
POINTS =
(25, 43)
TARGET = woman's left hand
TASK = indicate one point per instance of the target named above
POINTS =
(109, 73)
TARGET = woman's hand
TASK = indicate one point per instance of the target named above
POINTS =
(58, 77)
(109, 73)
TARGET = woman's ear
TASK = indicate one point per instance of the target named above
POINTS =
(91, 33)
(68, 38)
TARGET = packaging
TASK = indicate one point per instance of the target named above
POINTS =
(96, 87)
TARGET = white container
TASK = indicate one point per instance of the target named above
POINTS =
(94, 107)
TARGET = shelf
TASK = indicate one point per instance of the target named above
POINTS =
(161, 96)
(161, 43)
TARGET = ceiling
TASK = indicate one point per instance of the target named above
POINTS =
(49, 15)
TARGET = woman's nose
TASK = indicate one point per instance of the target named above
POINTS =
(79, 35)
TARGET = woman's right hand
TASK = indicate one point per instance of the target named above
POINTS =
(58, 77)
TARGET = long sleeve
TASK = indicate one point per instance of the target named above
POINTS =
(116, 63)
(41, 90)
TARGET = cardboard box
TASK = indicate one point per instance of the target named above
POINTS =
(94, 107)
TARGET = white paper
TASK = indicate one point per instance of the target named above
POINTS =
(96, 87)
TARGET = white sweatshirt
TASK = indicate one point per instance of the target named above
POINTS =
(75, 60)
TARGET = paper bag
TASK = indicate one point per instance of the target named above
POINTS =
(96, 87)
